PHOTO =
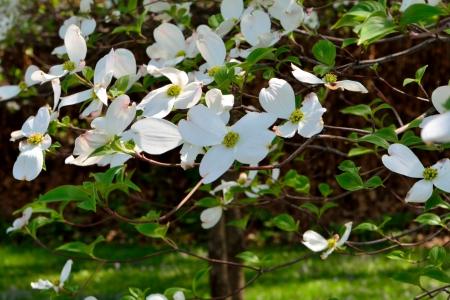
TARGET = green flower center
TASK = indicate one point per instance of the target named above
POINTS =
(22, 86)
(331, 243)
(174, 90)
(296, 116)
(35, 139)
(330, 78)
(230, 139)
(69, 66)
(241, 181)
(234, 20)
(213, 71)
(181, 53)
(56, 282)
(430, 173)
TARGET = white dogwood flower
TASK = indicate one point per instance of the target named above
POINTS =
(279, 99)
(329, 80)
(29, 163)
(19, 223)
(403, 161)
(288, 12)
(57, 284)
(10, 91)
(247, 141)
(317, 243)
(436, 128)
(159, 103)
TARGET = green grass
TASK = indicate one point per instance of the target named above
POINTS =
(343, 277)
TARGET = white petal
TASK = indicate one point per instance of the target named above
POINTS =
(188, 155)
(278, 98)
(88, 26)
(420, 192)
(75, 44)
(212, 48)
(170, 37)
(306, 77)
(26, 214)
(437, 129)
(344, 238)
(28, 80)
(253, 24)
(439, 97)
(189, 95)
(216, 161)
(211, 216)
(156, 297)
(159, 105)
(225, 185)
(177, 77)
(9, 91)
(178, 296)
(310, 127)
(18, 134)
(290, 16)
(427, 120)
(29, 164)
(203, 127)
(287, 130)
(224, 27)
(93, 110)
(311, 105)
(253, 122)
(38, 124)
(232, 9)
(75, 98)
(314, 241)
(85, 6)
(254, 148)
(42, 285)
(351, 85)
(104, 70)
(119, 115)
(442, 181)
(124, 63)
(155, 136)
(66, 271)
(56, 86)
(403, 161)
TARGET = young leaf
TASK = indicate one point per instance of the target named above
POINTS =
(324, 51)
(430, 219)
(418, 12)
(350, 181)
(373, 182)
(197, 278)
(375, 28)
(242, 223)
(311, 207)
(286, 222)
(327, 206)
(249, 257)
(349, 166)
(65, 193)
(324, 189)
(437, 255)
(437, 275)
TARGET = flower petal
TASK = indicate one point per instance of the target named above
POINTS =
(9, 91)
(403, 161)
(119, 115)
(253, 148)
(212, 48)
(344, 238)
(177, 77)
(29, 164)
(232, 9)
(170, 37)
(75, 98)
(439, 97)
(124, 63)
(442, 181)
(188, 154)
(314, 241)
(28, 80)
(351, 85)
(66, 271)
(420, 192)
(211, 216)
(278, 98)
(253, 24)
(159, 104)
(306, 77)
(189, 95)
(75, 44)
(437, 130)
(156, 297)
(253, 122)
(287, 130)
(216, 161)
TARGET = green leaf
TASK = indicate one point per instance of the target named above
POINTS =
(125, 29)
(437, 275)
(349, 166)
(324, 51)
(415, 123)
(408, 81)
(215, 20)
(140, 21)
(65, 193)
(418, 12)
(132, 5)
(90, 248)
(396, 255)
(242, 223)
(367, 226)
(259, 54)
(88, 204)
(197, 278)
(223, 76)
(382, 106)
(430, 219)
(37, 223)
(302, 184)
(434, 201)
(291, 59)
(325, 189)
(375, 28)
(269, 74)
(348, 41)
(407, 277)
(437, 255)
(76, 247)
(373, 182)
(208, 202)
(322, 70)
(374, 139)
(350, 181)
(311, 207)
(359, 151)
(88, 73)
(121, 85)
(286, 222)
(419, 74)
(249, 257)
(327, 206)
(358, 110)
(388, 134)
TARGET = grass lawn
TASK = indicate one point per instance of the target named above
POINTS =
(342, 277)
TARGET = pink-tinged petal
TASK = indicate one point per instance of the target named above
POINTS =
(344, 238)
(437, 130)
(188, 154)
(212, 48)
(351, 85)
(287, 130)
(278, 98)
(439, 97)
(203, 127)
(216, 161)
(85, 144)
(29, 164)
(28, 80)
(154, 136)
(189, 95)
(326, 253)
(124, 63)
(18, 134)
(26, 214)
(104, 70)
(159, 105)
(93, 110)
(119, 115)
(420, 192)
(253, 122)
(9, 91)
(66, 271)
(403, 161)
(314, 241)
(442, 181)
(75, 98)
(56, 86)
(170, 38)
(88, 26)
(177, 77)
(254, 148)
(254, 24)
(306, 77)
(75, 44)
(310, 127)
(232, 9)
(211, 216)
